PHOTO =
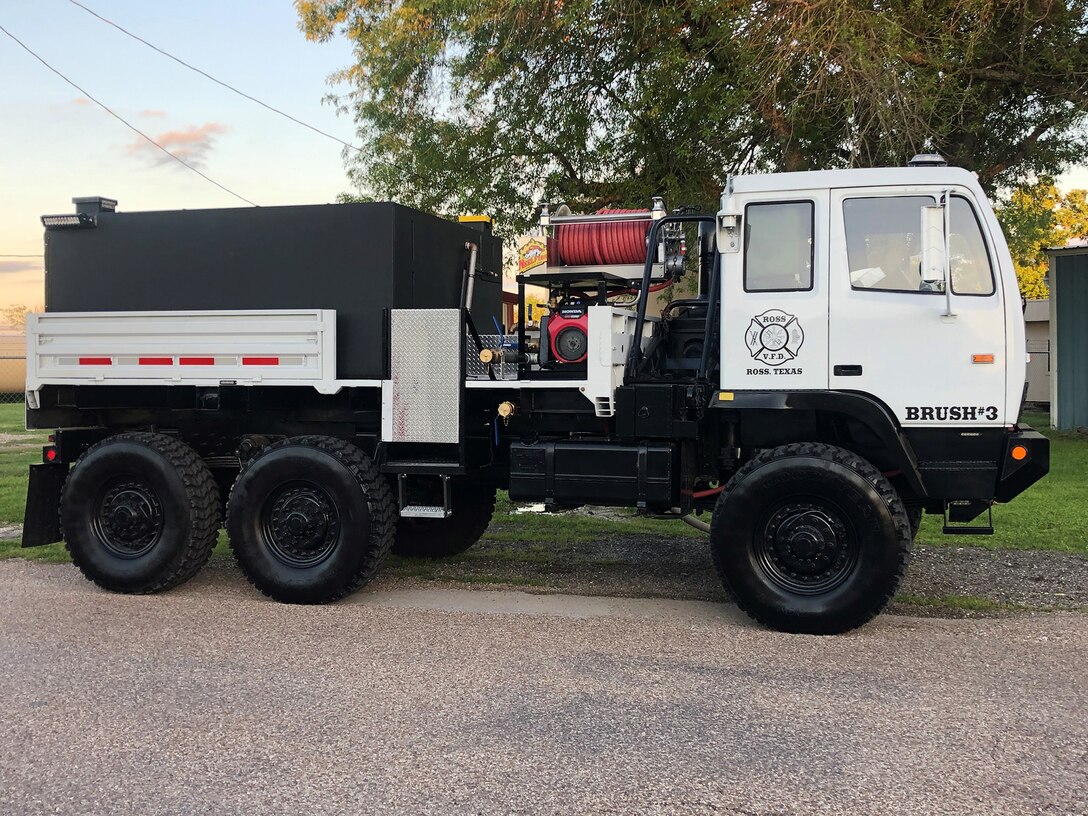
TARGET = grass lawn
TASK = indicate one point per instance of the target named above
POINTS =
(12, 418)
(1049, 516)
(15, 457)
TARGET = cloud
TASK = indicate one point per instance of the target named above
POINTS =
(191, 144)
(21, 282)
(153, 113)
(9, 267)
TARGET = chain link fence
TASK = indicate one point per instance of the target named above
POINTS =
(12, 378)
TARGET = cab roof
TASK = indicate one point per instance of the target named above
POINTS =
(868, 177)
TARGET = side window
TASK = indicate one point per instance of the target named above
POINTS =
(778, 246)
(969, 261)
(883, 242)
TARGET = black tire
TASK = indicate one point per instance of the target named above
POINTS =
(810, 538)
(310, 520)
(473, 507)
(140, 513)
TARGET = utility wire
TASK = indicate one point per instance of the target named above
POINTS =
(213, 79)
(22, 256)
(123, 121)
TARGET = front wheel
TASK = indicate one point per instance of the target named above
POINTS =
(810, 538)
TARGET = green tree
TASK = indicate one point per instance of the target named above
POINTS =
(1035, 217)
(489, 105)
(14, 314)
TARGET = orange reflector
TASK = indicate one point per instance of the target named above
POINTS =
(1019, 453)
(982, 358)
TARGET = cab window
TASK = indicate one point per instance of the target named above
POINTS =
(884, 246)
(778, 246)
(969, 260)
(884, 242)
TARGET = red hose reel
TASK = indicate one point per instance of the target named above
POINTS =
(604, 243)
(609, 242)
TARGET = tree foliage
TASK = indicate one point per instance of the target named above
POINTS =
(487, 105)
(1035, 217)
(15, 314)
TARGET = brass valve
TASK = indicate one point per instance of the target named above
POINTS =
(500, 355)
(506, 410)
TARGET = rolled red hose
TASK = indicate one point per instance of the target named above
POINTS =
(606, 243)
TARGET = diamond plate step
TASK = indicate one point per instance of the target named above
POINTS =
(425, 511)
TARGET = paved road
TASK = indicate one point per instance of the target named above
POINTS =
(405, 699)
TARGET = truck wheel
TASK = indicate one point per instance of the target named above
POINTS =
(810, 538)
(473, 507)
(310, 520)
(140, 513)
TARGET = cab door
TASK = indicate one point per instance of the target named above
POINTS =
(932, 357)
(775, 294)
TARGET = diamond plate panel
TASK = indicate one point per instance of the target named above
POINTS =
(425, 369)
(475, 370)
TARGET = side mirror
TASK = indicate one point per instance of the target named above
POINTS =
(936, 258)
(934, 248)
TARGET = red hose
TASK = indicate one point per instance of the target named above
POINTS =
(702, 494)
(606, 243)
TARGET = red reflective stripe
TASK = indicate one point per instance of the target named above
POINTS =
(156, 361)
(262, 361)
(202, 361)
(96, 361)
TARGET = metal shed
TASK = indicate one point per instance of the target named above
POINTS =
(1069, 335)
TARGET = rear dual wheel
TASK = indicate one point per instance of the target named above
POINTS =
(140, 513)
(310, 520)
(473, 506)
(810, 538)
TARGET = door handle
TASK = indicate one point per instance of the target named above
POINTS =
(847, 371)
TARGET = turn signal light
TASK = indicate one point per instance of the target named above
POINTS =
(1019, 453)
(982, 358)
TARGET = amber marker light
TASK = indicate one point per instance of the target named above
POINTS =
(1019, 453)
(982, 358)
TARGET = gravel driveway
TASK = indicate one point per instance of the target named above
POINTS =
(417, 700)
(1007, 581)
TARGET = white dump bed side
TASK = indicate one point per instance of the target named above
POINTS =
(272, 347)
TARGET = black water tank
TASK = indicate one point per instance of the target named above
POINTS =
(359, 259)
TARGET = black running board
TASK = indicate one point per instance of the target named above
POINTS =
(976, 529)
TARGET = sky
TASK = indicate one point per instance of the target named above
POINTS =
(55, 144)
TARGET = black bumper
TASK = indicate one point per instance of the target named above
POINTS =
(1025, 460)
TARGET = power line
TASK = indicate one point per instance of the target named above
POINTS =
(203, 73)
(22, 256)
(123, 121)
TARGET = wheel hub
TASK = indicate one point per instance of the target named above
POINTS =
(806, 548)
(302, 525)
(129, 518)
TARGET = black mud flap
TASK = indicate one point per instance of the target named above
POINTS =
(41, 522)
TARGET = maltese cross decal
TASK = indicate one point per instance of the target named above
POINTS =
(774, 337)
